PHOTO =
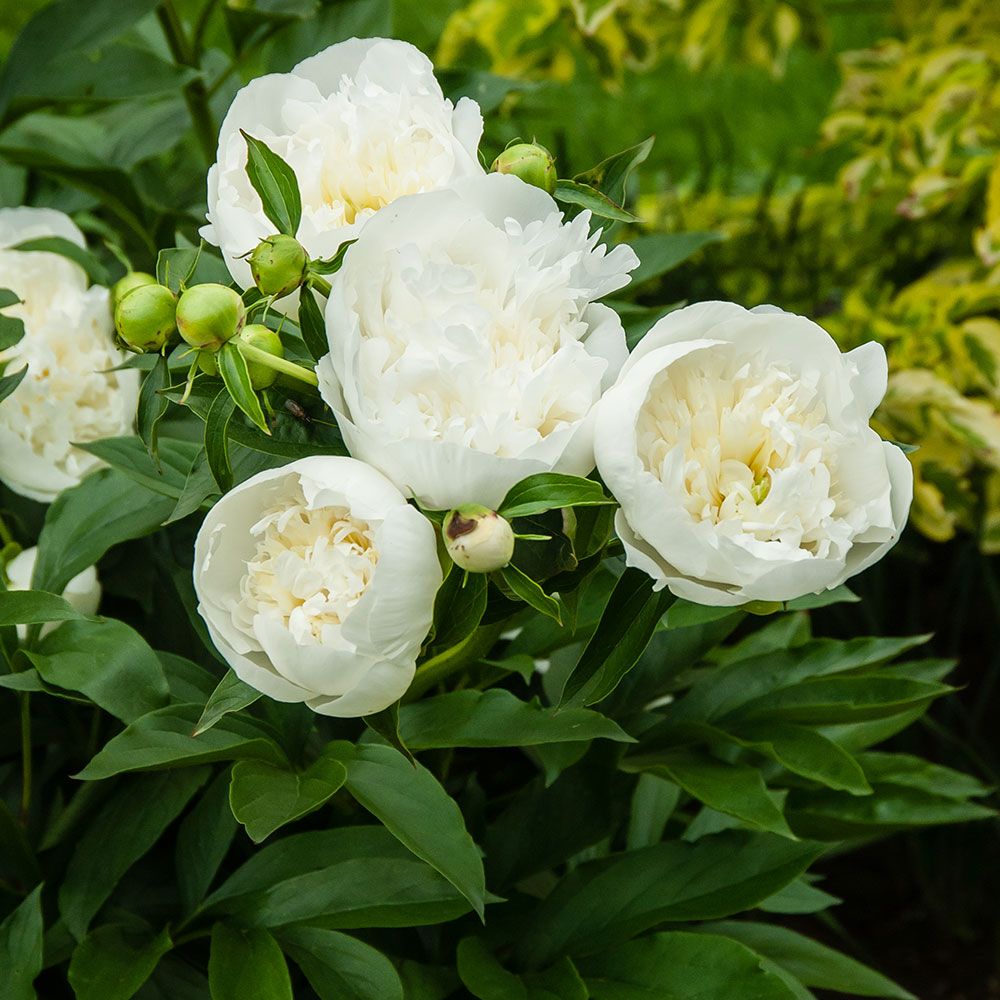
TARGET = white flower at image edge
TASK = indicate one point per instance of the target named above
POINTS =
(738, 445)
(466, 349)
(68, 394)
(83, 592)
(361, 123)
(317, 583)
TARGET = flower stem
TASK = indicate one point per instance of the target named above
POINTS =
(195, 92)
(442, 666)
(290, 368)
(320, 284)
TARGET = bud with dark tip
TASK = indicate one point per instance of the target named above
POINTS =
(124, 285)
(145, 317)
(478, 539)
(278, 265)
(264, 339)
(529, 161)
(209, 315)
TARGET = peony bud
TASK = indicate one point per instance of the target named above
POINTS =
(145, 317)
(478, 539)
(121, 288)
(209, 315)
(264, 339)
(278, 265)
(529, 161)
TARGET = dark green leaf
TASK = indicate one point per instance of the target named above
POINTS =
(497, 718)
(127, 826)
(414, 807)
(357, 876)
(8, 383)
(604, 902)
(21, 947)
(108, 662)
(165, 739)
(812, 963)
(166, 474)
(733, 789)
(332, 264)
(111, 963)
(340, 967)
(233, 369)
(386, 724)
(653, 803)
(152, 403)
(312, 325)
(626, 626)
(598, 203)
(484, 976)
(231, 695)
(73, 251)
(86, 520)
(611, 175)
(217, 440)
(178, 267)
(33, 607)
(659, 253)
(264, 797)
(531, 593)
(679, 965)
(548, 491)
(246, 963)
(275, 183)
(458, 607)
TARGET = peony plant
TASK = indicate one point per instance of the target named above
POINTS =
(487, 613)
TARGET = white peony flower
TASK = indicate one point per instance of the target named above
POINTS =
(361, 124)
(68, 394)
(83, 592)
(737, 443)
(466, 349)
(317, 583)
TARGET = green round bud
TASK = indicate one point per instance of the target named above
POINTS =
(529, 161)
(209, 315)
(121, 288)
(478, 539)
(145, 317)
(278, 265)
(207, 363)
(264, 339)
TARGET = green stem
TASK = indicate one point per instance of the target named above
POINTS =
(26, 768)
(195, 92)
(289, 368)
(442, 666)
(320, 284)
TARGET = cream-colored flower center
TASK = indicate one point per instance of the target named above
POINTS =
(746, 447)
(310, 567)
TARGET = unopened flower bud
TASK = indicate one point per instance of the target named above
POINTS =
(121, 288)
(145, 317)
(278, 265)
(529, 161)
(264, 339)
(478, 539)
(209, 315)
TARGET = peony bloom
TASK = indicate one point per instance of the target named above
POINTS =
(68, 394)
(317, 583)
(361, 124)
(466, 349)
(737, 443)
(83, 592)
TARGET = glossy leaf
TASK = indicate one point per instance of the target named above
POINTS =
(236, 376)
(217, 439)
(246, 963)
(275, 182)
(231, 695)
(550, 490)
(112, 963)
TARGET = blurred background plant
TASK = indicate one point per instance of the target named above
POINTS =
(847, 150)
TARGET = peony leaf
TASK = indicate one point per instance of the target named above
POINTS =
(276, 184)
(112, 962)
(21, 947)
(611, 175)
(79, 255)
(531, 593)
(34, 607)
(550, 491)
(246, 962)
(231, 695)
(220, 413)
(152, 403)
(8, 383)
(414, 807)
(311, 324)
(575, 193)
(235, 375)
(264, 797)
(458, 607)
(659, 253)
